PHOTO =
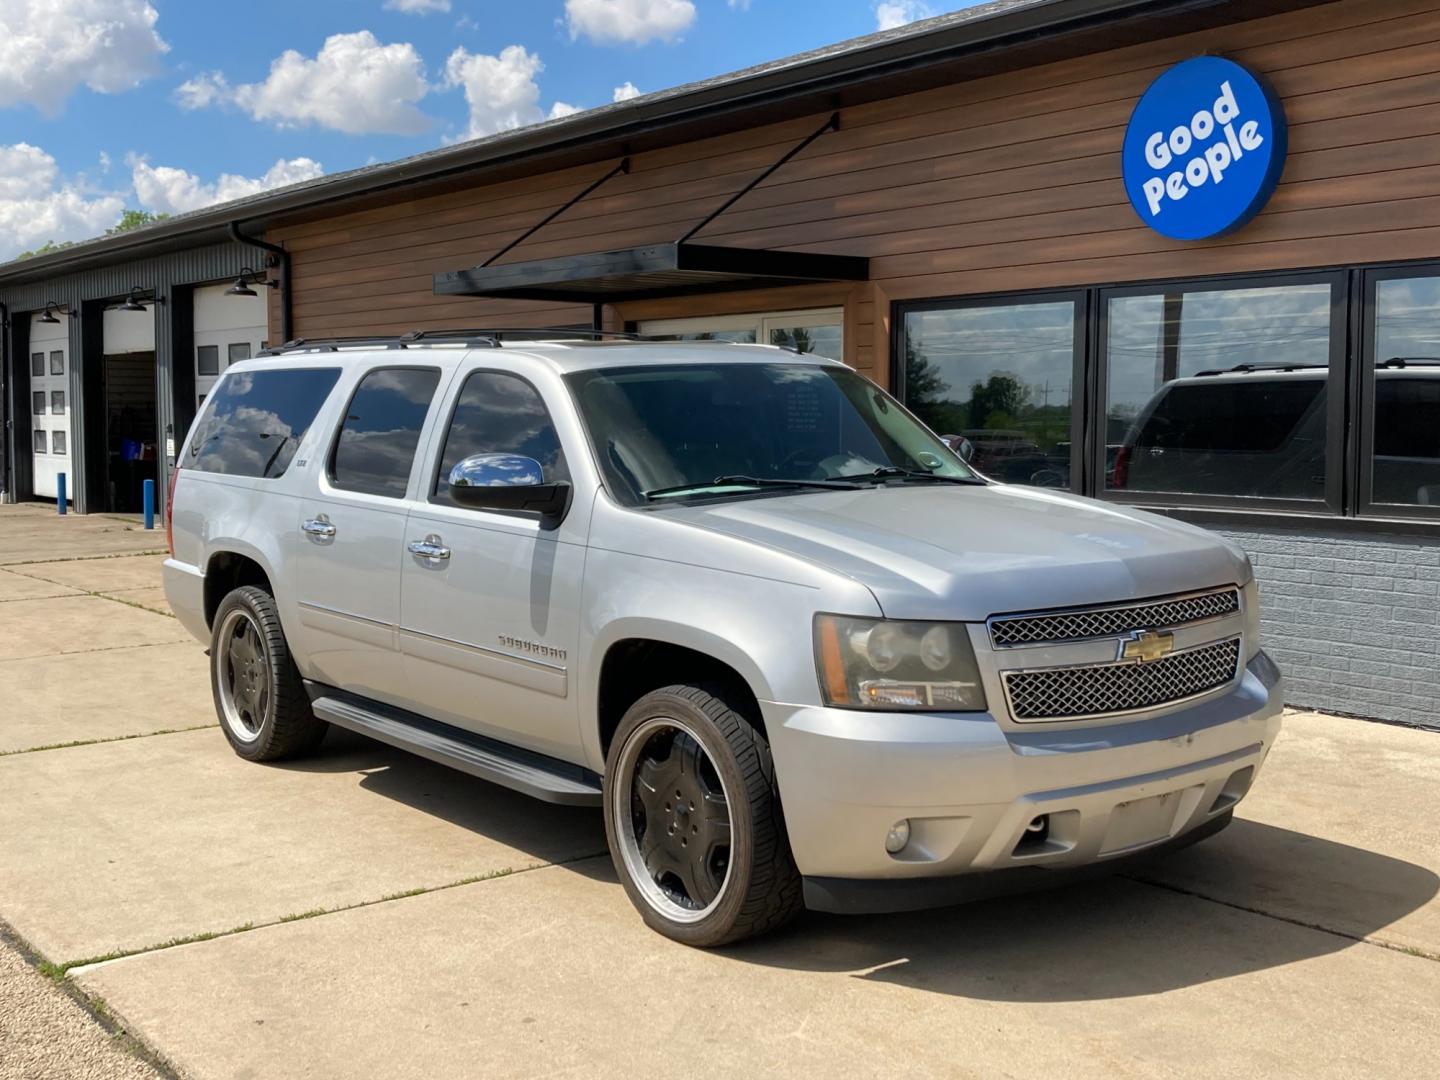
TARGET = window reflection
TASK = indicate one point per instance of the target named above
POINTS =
(1219, 392)
(376, 445)
(1406, 468)
(1000, 376)
(500, 414)
(254, 423)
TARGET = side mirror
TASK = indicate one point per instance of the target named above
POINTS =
(507, 482)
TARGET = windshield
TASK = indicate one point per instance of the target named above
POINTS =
(703, 430)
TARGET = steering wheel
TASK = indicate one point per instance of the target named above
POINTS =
(804, 457)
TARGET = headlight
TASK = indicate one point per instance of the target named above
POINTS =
(1250, 601)
(884, 664)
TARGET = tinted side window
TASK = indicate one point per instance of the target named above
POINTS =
(381, 430)
(254, 421)
(500, 414)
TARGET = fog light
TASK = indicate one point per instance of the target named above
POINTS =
(898, 836)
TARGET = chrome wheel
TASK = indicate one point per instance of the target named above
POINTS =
(671, 817)
(242, 673)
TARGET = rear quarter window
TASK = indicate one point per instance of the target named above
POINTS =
(254, 421)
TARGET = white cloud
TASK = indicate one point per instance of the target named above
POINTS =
(353, 84)
(501, 90)
(37, 205)
(739, 5)
(417, 7)
(626, 91)
(892, 13)
(628, 21)
(49, 47)
(206, 89)
(168, 190)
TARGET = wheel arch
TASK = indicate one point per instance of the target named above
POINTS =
(230, 566)
(638, 656)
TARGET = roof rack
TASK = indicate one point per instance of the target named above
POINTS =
(482, 338)
(1242, 368)
(1410, 361)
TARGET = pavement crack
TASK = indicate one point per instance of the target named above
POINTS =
(61, 971)
(1408, 950)
(98, 742)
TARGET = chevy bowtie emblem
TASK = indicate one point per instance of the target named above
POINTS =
(1147, 645)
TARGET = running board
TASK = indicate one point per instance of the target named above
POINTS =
(545, 778)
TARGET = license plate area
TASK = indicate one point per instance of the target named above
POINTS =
(1141, 822)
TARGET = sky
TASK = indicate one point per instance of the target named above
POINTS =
(172, 105)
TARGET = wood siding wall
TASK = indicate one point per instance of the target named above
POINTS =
(1005, 183)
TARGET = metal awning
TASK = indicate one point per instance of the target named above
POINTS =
(672, 269)
(681, 268)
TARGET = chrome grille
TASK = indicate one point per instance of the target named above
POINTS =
(1058, 626)
(1069, 693)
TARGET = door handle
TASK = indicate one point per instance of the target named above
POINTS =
(318, 527)
(429, 548)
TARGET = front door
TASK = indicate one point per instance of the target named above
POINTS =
(489, 614)
(352, 542)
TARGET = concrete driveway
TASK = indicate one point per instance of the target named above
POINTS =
(366, 913)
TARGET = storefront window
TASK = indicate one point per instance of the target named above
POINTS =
(1406, 465)
(1000, 377)
(818, 331)
(1218, 391)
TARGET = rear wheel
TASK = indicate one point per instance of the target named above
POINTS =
(259, 695)
(693, 819)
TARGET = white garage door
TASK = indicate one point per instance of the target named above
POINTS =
(50, 405)
(227, 328)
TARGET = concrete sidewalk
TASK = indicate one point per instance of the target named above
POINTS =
(366, 913)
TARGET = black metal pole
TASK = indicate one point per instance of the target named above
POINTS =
(832, 124)
(623, 167)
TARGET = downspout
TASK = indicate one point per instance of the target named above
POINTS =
(282, 264)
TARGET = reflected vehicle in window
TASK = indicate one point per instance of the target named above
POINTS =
(1262, 432)
(1246, 432)
(672, 581)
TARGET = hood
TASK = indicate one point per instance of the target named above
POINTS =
(966, 553)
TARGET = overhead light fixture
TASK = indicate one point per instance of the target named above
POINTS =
(136, 301)
(242, 286)
(49, 317)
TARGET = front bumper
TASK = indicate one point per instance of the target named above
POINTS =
(970, 788)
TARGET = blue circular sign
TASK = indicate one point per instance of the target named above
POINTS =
(1204, 149)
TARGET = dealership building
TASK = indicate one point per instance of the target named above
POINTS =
(1175, 254)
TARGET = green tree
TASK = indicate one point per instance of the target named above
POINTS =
(134, 219)
(130, 219)
(998, 402)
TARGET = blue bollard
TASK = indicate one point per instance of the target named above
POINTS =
(60, 492)
(149, 504)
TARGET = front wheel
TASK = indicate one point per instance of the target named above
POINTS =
(692, 816)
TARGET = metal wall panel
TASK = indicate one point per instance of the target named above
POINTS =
(158, 275)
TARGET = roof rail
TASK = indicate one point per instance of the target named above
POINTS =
(1244, 368)
(480, 338)
(1410, 361)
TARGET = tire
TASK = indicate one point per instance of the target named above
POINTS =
(259, 695)
(692, 742)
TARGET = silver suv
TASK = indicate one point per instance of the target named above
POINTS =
(797, 650)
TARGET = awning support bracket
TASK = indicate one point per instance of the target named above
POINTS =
(832, 124)
(623, 167)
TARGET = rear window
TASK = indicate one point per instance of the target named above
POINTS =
(1239, 416)
(254, 421)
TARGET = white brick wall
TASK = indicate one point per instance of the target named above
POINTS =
(1353, 621)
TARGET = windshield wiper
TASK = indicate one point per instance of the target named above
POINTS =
(886, 472)
(841, 484)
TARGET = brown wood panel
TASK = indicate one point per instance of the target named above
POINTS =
(1002, 183)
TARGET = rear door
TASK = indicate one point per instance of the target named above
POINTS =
(352, 532)
(490, 616)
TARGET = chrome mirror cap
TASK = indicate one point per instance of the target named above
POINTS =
(497, 470)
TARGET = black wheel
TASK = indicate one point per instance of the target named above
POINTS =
(259, 697)
(692, 816)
